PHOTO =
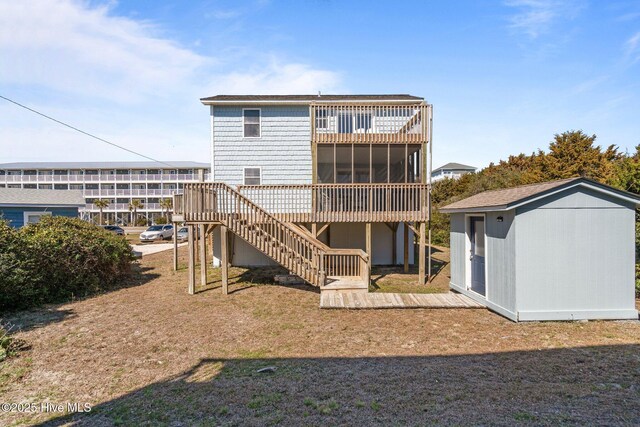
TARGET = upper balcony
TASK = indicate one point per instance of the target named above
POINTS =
(336, 123)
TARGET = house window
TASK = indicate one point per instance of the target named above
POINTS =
(252, 176)
(34, 217)
(251, 123)
(322, 121)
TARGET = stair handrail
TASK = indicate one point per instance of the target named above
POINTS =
(321, 248)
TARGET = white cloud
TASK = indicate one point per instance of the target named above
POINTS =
(536, 17)
(632, 46)
(277, 78)
(118, 78)
(73, 48)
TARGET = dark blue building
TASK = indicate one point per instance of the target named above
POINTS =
(22, 206)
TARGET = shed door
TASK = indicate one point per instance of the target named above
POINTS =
(477, 255)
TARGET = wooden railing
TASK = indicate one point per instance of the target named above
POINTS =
(367, 123)
(298, 252)
(341, 202)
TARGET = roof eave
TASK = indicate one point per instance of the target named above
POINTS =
(501, 208)
(206, 101)
(587, 183)
(43, 205)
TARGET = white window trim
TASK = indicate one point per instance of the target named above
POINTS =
(259, 123)
(244, 174)
(25, 215)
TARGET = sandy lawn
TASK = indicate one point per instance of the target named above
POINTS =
(150, 354)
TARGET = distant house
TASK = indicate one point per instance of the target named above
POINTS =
(451, 170)
(23, 206)
(560, 250)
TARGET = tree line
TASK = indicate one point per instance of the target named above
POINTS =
(570, 154)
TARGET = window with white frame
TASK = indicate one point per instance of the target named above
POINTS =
(322, 120)
(251, 123)
(252, 176)
(34, 217)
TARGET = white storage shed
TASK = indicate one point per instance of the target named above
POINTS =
(561, 250)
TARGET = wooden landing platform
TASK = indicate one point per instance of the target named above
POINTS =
(356, 300)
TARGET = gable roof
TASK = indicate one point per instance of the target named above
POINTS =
(34, 197)
(307, 99)
(455, 166)
(510, 198)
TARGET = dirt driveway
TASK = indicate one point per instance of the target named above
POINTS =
(150, 354)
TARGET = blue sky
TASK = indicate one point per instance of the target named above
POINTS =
(503, 76)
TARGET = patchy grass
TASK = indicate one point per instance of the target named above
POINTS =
(150, 354)
(394, 279)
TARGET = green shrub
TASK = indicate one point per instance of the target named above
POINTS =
(141, 222)
(58, 259)
(161, 220)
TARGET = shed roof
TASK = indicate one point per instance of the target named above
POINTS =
(101, 165)
(509, 198)
(34, 197)
(455, 166)
(307, 99)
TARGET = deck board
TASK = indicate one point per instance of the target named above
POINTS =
(361, 300)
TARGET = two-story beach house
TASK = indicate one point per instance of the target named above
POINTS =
(324, 185)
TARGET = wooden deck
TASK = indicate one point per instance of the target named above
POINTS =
(359, 300)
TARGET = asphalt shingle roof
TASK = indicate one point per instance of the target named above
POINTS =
(28, 196)
(309, 98)
(455, 166)
(503, 198)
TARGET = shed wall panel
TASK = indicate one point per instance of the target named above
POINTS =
(500, 259)
(457, 246)
(574, 259)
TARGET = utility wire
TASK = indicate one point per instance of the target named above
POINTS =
(85, 133)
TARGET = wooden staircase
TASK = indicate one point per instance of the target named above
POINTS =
(299, 252)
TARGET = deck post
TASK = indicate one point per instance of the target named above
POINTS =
(394, 248)
(224, 261)
(405, 242)
(175, 247)
(192, 261)
(314, 229)
(368, 246)
(203, 254)
(423, 255)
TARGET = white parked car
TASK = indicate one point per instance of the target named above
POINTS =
(157, 232)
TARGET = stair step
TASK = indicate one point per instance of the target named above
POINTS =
(289, 279)
(341, 283)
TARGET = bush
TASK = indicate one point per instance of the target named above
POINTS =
(161, 220)
(58, 259)
(142, 222)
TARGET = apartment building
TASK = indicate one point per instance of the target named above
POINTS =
(118, 183)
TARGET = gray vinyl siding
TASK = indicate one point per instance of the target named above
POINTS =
(283, 151)
(501, 259)
(576, 255)
(457, 247)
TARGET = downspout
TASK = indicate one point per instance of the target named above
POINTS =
(429, 183)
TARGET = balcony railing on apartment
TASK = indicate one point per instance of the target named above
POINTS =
(129, 192)
(122, 207)
(327, 202)
(100, 177)
(366, 123)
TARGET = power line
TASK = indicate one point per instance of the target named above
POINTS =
(85, 133)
